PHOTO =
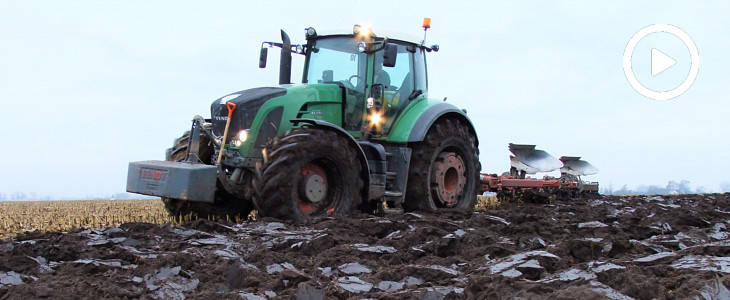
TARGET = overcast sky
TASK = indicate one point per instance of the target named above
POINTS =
(88, 86)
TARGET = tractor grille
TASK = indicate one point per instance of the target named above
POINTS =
(248, 102)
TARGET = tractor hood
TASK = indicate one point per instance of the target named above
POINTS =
(248, 102)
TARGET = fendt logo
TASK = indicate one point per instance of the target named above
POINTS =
(152, 174)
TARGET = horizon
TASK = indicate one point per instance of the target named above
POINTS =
(672, 188)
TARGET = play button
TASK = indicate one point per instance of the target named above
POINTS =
(663, 84)
(660, 62)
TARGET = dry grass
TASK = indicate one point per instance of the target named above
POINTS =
(17, 217)
(487, 202)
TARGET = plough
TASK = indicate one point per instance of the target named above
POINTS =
(526, 160)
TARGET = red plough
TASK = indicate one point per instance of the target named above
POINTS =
(528, 160)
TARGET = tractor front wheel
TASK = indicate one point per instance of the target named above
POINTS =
(444, 170)
(307, 173)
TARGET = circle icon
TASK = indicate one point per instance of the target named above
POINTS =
(662, 62)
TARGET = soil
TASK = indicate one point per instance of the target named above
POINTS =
(641, 247)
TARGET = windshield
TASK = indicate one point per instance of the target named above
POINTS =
(337, 60)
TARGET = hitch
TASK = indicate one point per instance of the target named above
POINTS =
(194, 141)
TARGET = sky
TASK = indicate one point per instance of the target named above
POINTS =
(88, 86)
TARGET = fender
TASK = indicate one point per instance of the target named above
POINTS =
(375, 161)
(415, 122)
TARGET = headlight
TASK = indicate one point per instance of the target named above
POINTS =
(361, 30)
(241, 137)
(375, 118)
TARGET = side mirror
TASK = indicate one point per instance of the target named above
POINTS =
(262, 57)
(328, 76)
(389, 53)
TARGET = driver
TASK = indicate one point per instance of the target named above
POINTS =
(379, 75)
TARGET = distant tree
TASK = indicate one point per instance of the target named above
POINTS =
(672, 187)
(650, 190)
(684, 187)
(3, 197)
(608, 190)
(725, 187)
(18, 196)
(624, 191)
(681, 187)
(701, 190)
(120, 196)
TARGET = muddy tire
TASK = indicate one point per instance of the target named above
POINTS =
(224, 206)
(444, 169)
(307, 173)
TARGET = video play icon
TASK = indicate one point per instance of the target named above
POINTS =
(660, 62)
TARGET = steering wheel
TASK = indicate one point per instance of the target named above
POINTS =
(357, 83)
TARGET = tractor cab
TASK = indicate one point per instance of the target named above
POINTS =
(379, 75)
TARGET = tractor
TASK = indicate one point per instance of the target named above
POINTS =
(359, 133)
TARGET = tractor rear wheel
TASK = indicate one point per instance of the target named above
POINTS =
(224, 206)
(307, 173)
(444, 169)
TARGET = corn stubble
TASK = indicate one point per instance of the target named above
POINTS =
(64, 216)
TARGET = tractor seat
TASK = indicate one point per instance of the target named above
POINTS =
(405, 89)
(399, 98)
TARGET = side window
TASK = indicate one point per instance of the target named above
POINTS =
(401, 69)
(419, 64)
(401, 86)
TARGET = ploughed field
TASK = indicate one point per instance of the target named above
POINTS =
(641, 247)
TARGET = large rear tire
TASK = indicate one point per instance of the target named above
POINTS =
(224, 206)
(444, 169)
(307, 173)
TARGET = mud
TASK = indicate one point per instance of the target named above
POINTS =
(641, 247)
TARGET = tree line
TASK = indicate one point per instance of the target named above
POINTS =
(672, 187)
(21, 196)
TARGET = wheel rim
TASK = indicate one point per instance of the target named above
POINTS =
(448, 178)
(312, 188)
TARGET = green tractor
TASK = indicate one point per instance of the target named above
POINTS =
(358, 133)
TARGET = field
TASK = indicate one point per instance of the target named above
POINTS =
(64, 216)
(21, 216)
(633, 247)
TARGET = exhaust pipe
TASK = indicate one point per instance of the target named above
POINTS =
(285, 60)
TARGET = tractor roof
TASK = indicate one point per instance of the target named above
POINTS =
(391, 35)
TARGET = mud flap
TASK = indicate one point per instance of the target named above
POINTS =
(178, 180)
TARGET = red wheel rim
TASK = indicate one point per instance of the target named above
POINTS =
(448, 178)
(311, 185)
